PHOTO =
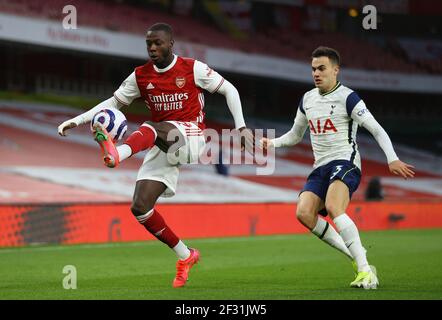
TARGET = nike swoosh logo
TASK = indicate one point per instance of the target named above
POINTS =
(349, 245)
(159, 232)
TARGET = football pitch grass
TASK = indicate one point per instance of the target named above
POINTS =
(409, 266)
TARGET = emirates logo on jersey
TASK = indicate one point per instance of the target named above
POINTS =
(167, 102)
(180, 82)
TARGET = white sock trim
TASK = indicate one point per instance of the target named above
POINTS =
(181, 250)
(143, 218)
(124, 152)
(319, 229)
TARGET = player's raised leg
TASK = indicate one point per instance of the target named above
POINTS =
(145, 196)
(336, 203)
(145, 137)
(141, 139)
(108, 149)
(307, 213)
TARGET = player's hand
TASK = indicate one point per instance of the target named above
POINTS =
(69, 124)
(265, 143)
(402, 169)
(247, 139)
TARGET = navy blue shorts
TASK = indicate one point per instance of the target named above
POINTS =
(319, 179)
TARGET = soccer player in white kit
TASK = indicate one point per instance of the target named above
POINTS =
(333, 113)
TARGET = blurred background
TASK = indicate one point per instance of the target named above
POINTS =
(56, 190)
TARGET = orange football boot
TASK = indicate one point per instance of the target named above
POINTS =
(108, 149)
(183, 267)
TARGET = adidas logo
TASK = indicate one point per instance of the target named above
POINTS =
(150, 86)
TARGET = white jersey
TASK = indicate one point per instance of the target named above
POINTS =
(333, 119)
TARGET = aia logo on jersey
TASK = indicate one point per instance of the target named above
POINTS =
(322, 128)
(180, 82)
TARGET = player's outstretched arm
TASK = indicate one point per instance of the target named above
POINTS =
(402, 169)
(234, 103)
(395, 165)
(125, 94)
(87, 116)
(212, 81)
(68, 124)
(294, 136)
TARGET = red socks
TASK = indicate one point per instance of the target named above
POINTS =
(142, 139)
(156, 225)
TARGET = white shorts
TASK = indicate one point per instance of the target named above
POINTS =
(163, 167)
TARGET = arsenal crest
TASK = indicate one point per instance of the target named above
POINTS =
(180, 82)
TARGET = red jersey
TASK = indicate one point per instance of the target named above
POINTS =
(173, 93)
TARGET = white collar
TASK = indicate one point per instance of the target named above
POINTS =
(170, 66)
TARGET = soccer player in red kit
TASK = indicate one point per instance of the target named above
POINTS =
(172, 87)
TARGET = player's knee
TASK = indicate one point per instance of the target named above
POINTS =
(140, 207)
(333, 209)
(305, 215)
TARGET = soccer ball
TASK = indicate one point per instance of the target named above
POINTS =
(113, 120)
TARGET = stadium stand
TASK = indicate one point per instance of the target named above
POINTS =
(282, 42)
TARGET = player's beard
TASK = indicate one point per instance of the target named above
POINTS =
(166, 59)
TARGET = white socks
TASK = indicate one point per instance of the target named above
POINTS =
(181, 250)
(349, 233)
(324, 231)
(124, 152)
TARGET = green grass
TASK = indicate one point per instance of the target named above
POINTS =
(266, 267)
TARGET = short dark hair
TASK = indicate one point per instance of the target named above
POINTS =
(330, 53)
(161, 26)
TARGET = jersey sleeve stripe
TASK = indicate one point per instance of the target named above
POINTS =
(353, 154)
(351, 102)
(219, 86)
(350, 129)
(301, 105)
(351, 141)
(201, 100)
(119, 100)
